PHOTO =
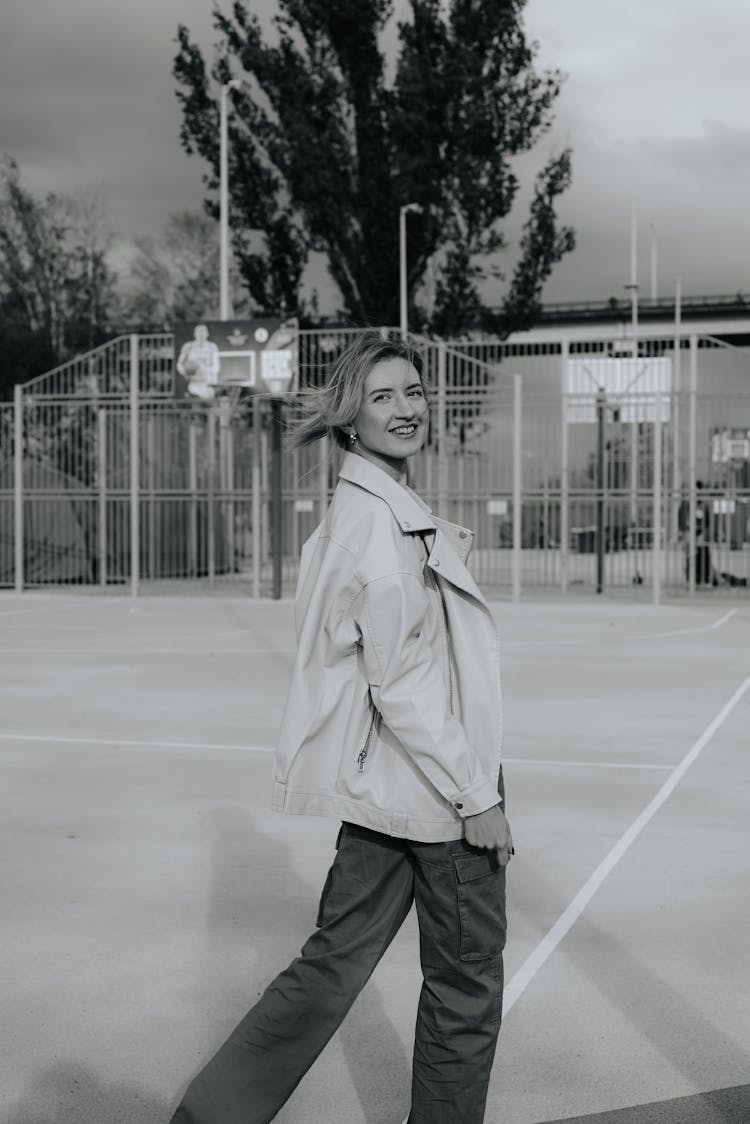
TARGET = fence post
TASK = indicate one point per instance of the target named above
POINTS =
(193, 488)
(323, 478)
(150, 466)
(676, 451)
(277, 496)
(564, 472)
(601, 404)
(441, 428)
(692, 418)
(656, 520)
(255, 516)
(18, 487)
(101, 420)
(295, 509)
(517, 512)
(135, 465)
(211, 493)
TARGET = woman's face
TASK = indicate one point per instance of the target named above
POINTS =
(392, 421)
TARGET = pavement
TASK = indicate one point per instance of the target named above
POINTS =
(149, 895)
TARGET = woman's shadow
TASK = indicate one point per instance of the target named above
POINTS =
(71, 1093)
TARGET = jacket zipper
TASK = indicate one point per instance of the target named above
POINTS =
(446, 637)
(362, 757)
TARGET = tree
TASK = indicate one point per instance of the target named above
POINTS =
(323, 153)
(176, 277)
(56, 287)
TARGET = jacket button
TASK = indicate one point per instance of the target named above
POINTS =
(459, 806)
(436, 562)
(406, 524)
(462, 534)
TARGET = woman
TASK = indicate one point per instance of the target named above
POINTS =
(393, 725)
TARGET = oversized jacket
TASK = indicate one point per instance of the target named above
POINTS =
(394, 717)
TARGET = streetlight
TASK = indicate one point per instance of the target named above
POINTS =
(225, 310)
(403, 296)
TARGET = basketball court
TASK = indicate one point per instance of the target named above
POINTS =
(149, 894)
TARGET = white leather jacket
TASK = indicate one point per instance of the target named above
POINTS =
(393, 718)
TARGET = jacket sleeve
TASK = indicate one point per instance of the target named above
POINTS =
(408, 688)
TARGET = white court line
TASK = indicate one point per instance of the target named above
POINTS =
(152, 744)
(33, 610)
(208, 650)
(270, 749)
(723, 620)
(614, 635)
(568, 918)
(683, 631)
(582, 764)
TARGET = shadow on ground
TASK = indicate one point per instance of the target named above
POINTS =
(721, 1106)
(239, 929)
(70, 1093)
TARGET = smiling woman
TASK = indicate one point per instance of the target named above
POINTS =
(357, 400)
(393, 725)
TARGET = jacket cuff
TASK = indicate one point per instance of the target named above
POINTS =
(478, 798)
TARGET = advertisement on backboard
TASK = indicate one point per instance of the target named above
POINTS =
(252, 356)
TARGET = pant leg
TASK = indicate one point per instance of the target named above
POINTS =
(367, 895)
(460, 896)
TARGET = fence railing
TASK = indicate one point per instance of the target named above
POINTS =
(106, 479)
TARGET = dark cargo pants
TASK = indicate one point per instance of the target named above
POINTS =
(460, 896)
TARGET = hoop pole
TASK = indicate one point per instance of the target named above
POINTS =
(193, 487)
(277, 523)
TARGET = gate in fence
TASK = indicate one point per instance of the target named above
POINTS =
(581, 463)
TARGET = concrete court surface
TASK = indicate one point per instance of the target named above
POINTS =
(149, 895)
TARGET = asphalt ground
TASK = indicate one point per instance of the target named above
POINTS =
(149, 894)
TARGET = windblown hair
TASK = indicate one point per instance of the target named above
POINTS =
(326, 411)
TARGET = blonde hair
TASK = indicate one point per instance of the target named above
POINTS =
(325, 411)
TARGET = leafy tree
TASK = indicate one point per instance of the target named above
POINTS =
(176, 277)
(323, 152)
(56, 287)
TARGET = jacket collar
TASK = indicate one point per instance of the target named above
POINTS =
(451, 543)
(409, 514)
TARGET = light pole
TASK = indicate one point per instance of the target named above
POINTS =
(225, 311)
(402, 289)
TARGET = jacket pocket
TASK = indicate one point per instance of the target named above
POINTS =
(480, 886)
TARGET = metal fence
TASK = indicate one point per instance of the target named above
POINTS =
(578, 463)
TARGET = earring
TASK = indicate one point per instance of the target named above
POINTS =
(353, 436)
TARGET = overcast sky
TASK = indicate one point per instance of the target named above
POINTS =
(655, 107)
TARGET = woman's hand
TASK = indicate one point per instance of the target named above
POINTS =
(490, 830)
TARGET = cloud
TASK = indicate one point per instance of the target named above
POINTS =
(87, 98)
(654, 108)
(719, 155)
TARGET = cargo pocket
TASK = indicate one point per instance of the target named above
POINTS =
(480, 885)
(327, 886)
